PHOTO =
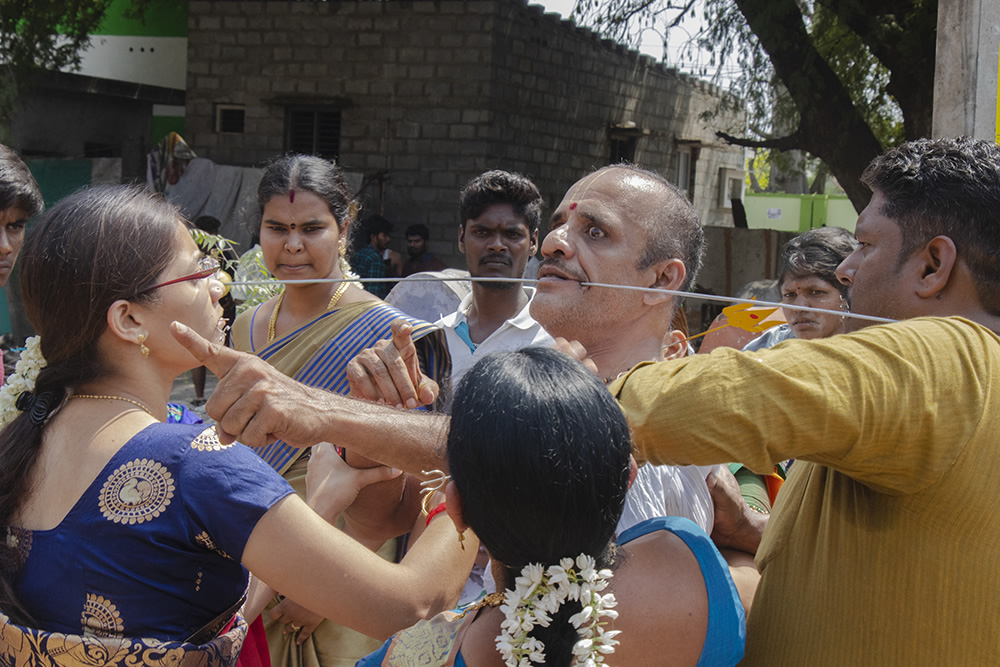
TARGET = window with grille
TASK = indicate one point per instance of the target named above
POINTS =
(313, 130)
(230, 118)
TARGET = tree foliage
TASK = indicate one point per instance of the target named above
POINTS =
(40, 35)
(839, 79)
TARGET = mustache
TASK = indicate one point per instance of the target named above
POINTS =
(557, 263)
(495, 257)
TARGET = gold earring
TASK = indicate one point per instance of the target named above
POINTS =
(461, 540)
(343, 247)
(142, 345)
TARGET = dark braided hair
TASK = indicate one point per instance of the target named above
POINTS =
(539, 451)
(91, 249)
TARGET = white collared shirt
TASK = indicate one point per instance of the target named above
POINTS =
(517, 332)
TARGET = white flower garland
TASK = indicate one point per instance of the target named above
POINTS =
(539, 593)
(21, 380)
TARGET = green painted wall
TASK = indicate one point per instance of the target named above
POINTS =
(58, 178)
(163, 125)
(162, 18)
(798, 213)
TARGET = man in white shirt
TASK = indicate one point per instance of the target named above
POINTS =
(500, 212)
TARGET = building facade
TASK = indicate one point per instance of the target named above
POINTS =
(416, 97)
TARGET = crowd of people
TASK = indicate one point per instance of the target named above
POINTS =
(542, 476)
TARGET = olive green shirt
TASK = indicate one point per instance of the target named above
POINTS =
(884, 544)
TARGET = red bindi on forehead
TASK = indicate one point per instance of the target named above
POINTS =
(572, 206)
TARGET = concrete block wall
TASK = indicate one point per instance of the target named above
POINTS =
(413, 77)
(558, 89)
(434, 93)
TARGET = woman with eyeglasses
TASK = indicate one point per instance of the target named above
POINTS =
(310, 331)
(118, 527)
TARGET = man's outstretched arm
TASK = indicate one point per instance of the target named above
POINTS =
(256, 404)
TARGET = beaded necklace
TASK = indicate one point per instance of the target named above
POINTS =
(111, 397)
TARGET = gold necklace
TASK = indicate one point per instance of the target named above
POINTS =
(277, 306)
(116, 398)
(274, 317)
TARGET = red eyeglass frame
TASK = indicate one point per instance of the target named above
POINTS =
(204, 273)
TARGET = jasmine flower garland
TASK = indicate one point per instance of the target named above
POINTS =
(538, 594)
(22, 379)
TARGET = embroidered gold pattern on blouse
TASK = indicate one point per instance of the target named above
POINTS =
(101, 618)
(28, 646)
(426, 643)
(137, 492)
(205, 540)
(208, 441)
(18, 543)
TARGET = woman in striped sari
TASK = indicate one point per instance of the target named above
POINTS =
(310, 332)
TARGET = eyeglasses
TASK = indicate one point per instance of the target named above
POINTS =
(207, 267)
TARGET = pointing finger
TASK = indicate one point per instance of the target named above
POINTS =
(213, 356)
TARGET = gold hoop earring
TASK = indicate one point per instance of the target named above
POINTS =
(142, 345)
(461, 540)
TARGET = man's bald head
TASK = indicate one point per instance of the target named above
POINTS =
(672, 225)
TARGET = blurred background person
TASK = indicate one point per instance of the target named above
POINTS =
(807, 278)
(420, 258)
(20, 199)
(372, 257)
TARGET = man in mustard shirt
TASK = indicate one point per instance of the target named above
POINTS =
(883, 544)
(882, 548)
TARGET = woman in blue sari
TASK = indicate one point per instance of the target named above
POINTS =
(117, 526)
(310, 332)
(539, 454)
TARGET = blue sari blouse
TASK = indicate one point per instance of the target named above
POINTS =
(153, 546)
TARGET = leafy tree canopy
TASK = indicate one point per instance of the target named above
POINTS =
(39, 35)
(839, 79)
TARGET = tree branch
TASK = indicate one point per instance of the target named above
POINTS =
(830, 126)
(900, 33)
(791, 142)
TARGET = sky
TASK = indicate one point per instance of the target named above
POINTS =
(652, 42)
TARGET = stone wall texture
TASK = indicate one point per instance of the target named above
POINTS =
(436, 92)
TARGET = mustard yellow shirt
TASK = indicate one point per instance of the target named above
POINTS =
(884, 544)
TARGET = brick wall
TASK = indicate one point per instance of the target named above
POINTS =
(435, 92)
